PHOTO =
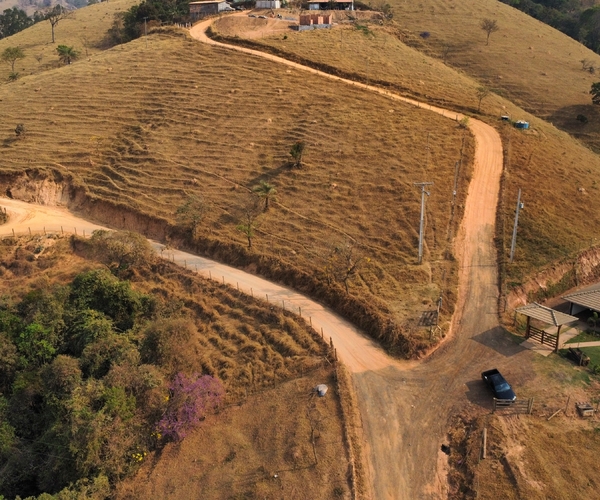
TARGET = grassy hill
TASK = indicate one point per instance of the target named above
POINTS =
(531, 64)
(214, 123)
(555, 171)
(84, 30)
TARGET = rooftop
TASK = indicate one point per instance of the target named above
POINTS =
(545, 314)
(588, 298)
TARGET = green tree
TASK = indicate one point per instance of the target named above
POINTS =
(35, 345)
(87, 327)
(12, 21)
(489, 26)
(191, 213)
(11, 55)
(66, 54)
(100, 290)
(265, 191)
(595, 91)
(297, 152)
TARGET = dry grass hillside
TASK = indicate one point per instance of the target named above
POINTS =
(269, 362)
(526, 61)
(558, 175)
(214, 123)
(84, 30)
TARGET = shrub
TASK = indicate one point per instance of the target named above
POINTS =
(189, 401)
(582, 118)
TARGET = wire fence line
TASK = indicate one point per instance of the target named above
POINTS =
(276, 300)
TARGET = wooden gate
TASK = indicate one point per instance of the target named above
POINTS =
(542, 337)
(507, 406)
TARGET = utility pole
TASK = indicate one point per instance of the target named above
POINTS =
(514, 236)
(145, 32)
(423, 193)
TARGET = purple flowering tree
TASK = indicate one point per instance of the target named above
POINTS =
(191, 398)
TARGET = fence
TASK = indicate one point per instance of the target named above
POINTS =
(508, 406)
(542, 337)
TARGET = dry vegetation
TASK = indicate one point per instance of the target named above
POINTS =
(268, 360)
(529, 456)
(85, 30)
(214, 123)
(557, 174)
(261, 449)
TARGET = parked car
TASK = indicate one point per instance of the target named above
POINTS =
(500, 387)
(251, 15)
(262, 17)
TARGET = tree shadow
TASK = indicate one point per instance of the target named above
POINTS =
(500, 340)
(586, 127)
(273, 173)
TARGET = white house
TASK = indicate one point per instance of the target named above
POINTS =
(268, 4)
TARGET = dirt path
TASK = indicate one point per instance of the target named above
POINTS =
(405, 409)
(404, 406)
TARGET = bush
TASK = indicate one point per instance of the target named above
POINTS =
(189, 402)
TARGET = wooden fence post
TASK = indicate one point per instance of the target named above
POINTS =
(484, 451)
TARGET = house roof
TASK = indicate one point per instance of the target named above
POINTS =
(545, 314)
(587, 298)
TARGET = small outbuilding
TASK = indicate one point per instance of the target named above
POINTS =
(548, 316)
(198, 10)
(332, 5)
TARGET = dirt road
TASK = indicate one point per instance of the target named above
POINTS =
(404, 406)
(405, 409)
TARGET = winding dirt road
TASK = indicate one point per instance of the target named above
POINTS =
(404, 407)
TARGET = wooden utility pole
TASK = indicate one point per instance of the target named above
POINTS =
(421, 224)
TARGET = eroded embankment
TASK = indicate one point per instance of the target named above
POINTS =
(571, 272)
(52, 187)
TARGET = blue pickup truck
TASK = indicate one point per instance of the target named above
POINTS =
(500, 387)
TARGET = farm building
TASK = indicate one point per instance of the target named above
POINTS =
(332, 5)
(268, 4)
(199, 10)
(312, 19)
(585, 300)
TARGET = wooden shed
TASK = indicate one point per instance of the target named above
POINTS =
(548, 316)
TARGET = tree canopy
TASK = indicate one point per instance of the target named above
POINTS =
(80, 399)
(11, 55)
(158, 11)
(12, 21)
